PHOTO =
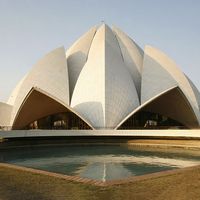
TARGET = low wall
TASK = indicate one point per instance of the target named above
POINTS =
(193, 134)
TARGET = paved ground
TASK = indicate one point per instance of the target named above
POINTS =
(19, 185)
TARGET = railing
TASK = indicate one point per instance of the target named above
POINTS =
(8, 128)
(152, 127)
(5, 128)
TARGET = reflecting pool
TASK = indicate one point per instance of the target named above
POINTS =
(99, 162)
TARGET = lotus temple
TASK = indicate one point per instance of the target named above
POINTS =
(104, 81)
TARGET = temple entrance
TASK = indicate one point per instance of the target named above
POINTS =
(149, 120)
(65, 120)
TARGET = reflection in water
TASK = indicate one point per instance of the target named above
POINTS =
(104, 172)
(98, 162)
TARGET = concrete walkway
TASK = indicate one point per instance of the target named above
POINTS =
(169, 133)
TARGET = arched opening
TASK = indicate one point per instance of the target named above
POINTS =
(170, 110)
(40, 111)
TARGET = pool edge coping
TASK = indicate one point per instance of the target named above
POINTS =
(131, 179)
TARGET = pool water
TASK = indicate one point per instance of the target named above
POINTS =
(109, 162)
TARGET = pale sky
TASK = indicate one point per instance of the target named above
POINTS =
(31, 28)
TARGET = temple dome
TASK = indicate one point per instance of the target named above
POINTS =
(104, 79)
